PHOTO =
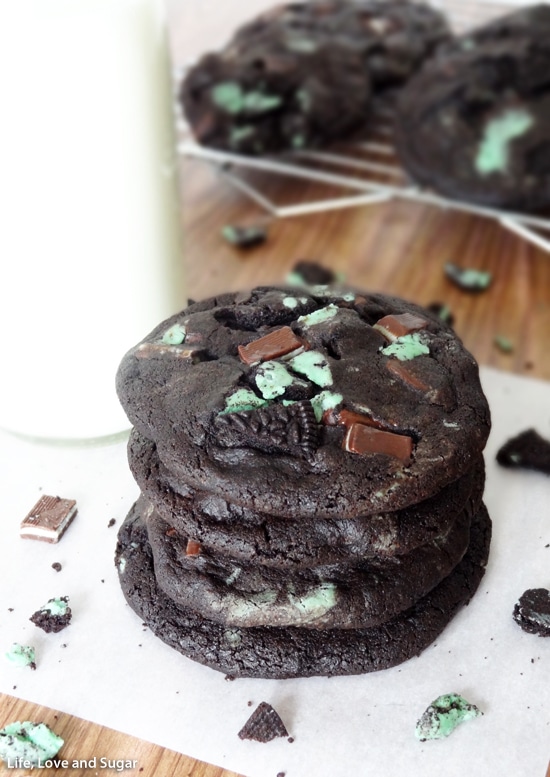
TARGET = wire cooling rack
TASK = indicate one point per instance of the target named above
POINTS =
(368, 172)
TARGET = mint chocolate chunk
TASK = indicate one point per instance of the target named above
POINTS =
(443, 715)
(468, 279)
(32, 743)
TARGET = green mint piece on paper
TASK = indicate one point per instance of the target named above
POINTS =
(443, 715)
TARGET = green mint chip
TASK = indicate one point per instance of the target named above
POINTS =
(468, 279)
(444, 715)
(31, 742)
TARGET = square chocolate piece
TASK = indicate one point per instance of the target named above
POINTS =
(49, 519)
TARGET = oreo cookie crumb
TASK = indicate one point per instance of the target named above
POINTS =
(528, 450)
(309, 273)
(443, 715)
(244, 236)
(111, 523)
(263, 725)
(468, 279)
(54, 616)
(57, 566)
(442, 311)
(532, 612)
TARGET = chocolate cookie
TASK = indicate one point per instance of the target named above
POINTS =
(247, 536)
(272, 652)
(324, 403)
(349, 595)
(474, 123)
(299, 75)
(393, 37)
(278, 91)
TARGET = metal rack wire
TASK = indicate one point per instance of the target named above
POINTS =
(368, 172)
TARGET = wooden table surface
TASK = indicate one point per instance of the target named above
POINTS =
(397, 247)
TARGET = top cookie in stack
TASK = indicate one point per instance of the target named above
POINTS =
(311, 470)
(304, 74)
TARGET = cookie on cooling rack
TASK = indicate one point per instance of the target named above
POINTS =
(474, 124)
(300, 75)
(282, 90)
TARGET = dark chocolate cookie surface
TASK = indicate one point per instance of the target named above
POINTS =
(349, 595)
(247, 536)
(275, 92)
(319, 402)
(300, 74)
(293, 652)
(474, 124)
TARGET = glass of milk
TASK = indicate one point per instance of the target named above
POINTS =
(90, 235)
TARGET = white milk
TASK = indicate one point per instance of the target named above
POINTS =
(90, 228)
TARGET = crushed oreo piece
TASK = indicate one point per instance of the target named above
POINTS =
(532, 612)
(111, 523)
(244, 236)
(263, 725)
(442, 311)
(54, 616)
(308, 273)
(528, 450)
(468, 279)
(57, 566)
(49, 519)
(276, 428)
(444, 715)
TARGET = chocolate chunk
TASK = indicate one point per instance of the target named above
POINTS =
(263, 725)
(468, 279)
(363, 439)
(193, 548)
(49, 519)
(527, 450)
(396, 326)
(532, 612)
(151, 350)
(405, 374)
(274, 429)
(272, 346)
(245, 236)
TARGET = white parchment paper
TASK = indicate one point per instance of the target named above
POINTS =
(105, 667)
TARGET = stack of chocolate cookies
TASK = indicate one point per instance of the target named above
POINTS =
(311, 475)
